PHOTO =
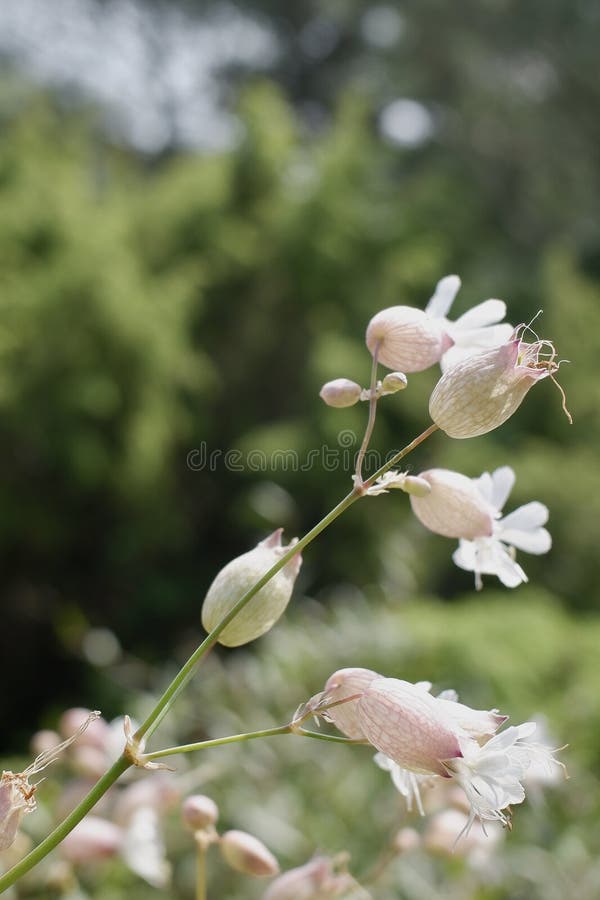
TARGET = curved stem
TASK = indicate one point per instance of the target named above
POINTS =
(371, 421)
(62, 830)
(245, 736)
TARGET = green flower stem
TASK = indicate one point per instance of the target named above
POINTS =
(187, 671)
(245, 736)
(201, 871)
(185, 674)
(61, 831)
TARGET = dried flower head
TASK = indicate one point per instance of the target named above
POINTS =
(17, 794)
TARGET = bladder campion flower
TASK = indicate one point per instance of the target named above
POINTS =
(522, 529)
(422, 735)
(241, 574)
(483, 391)
(412, 339)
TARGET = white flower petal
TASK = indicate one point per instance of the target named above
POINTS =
(503, 480)
(526, 518)
(443, 297)
(487, 313)
(143, 848)
(536, 542)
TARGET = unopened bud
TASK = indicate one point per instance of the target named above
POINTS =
(245, 853)
(237, 577)
(407, 840)
(91, 840)
(340, 392)
(418, 487)
(393, 382)
(407, 339)
(199, 812)
(454, 507)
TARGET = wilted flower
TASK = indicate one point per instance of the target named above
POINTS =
(483, 391)
(237, 577)
(340, 392)
(454, 507)
(494, 554)
(412, 339)
(16, 791)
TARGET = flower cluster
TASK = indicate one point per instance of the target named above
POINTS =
(422, 739)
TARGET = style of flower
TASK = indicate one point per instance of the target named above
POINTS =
(522, 529)
(412, 339)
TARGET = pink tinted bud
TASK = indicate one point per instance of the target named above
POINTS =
(407, 840)
(340, 392)
(92, 840)
(199, 812)
(409, 340)
(483, 391)
(346, 683)
(404, 722)
(237, 577)
(89, 761)
(454, 507)
(245, 853)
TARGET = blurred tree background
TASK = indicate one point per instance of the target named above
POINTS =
(186, 286)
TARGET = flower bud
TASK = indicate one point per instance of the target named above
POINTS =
(199, 812)
(340, 392)
(245, 853)
(404, 722)
(394, 382)
(346, 683)
(409, 340)
(454, 507)
(237, 577)
(483, 391)
(407, 840)
(91, 840)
